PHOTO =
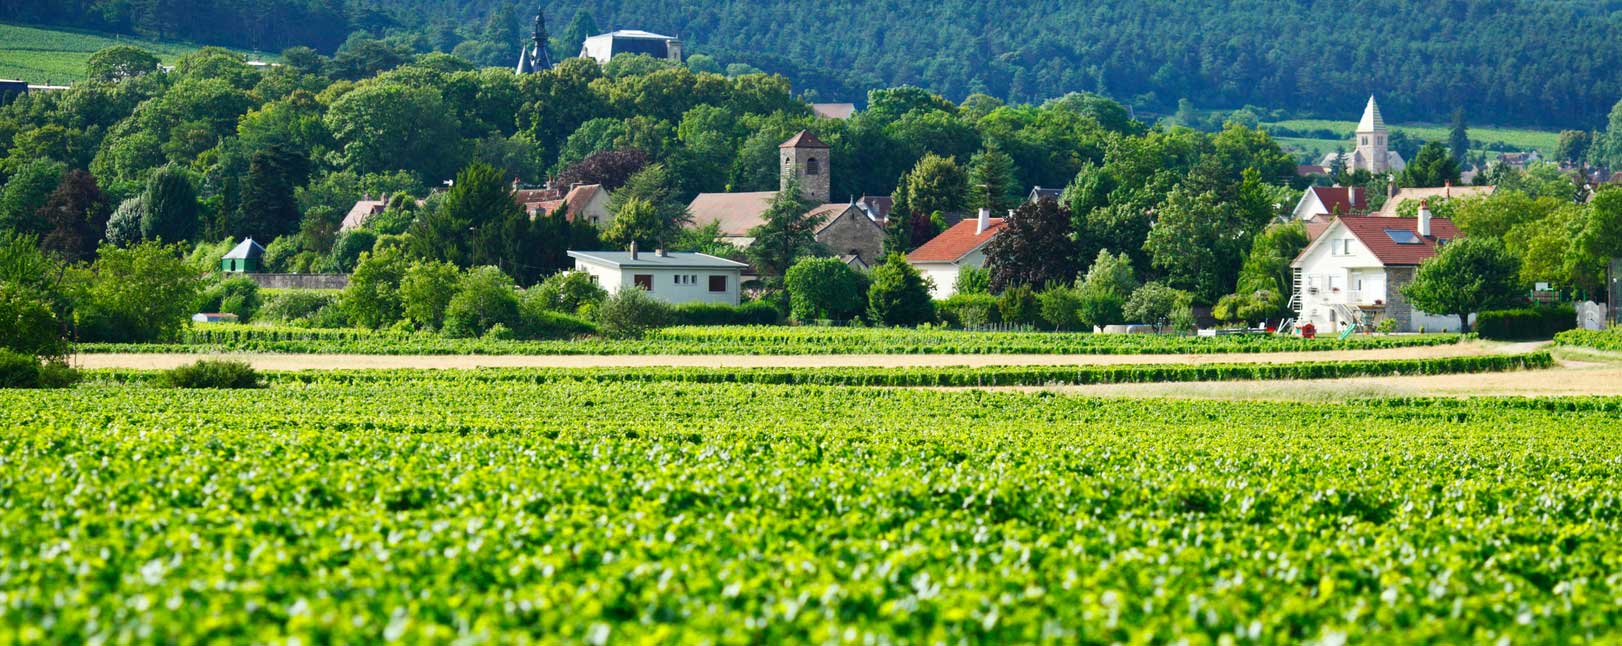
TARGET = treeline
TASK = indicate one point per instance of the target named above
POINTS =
(1511, 62)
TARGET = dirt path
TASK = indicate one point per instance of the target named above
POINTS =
(358, 361)
(1567, 380)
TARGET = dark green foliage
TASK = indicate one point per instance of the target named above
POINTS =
(788, 233)
(1034, 247)
(212, 373)
(707, 314)
(1466, 276)
(268, 210)
(1433, 166)
(171, 206)
(1018, 305)
(542, 324)
(140, 294)
(18, 370)
(1526, 323)
(898, 295)
(969, 310)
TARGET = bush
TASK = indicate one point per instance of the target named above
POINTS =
(898, 295)
(1526, 323)
(537, 323)
(1098, 309)
(825, 289)
(239, 296)
(295, 306)
(31, 328)
(972, 280)
(484, 298)
(630, 313)
(141, 294)
(969, 309)
(567, 292)
(347, 250)
(751, 313)
(212, 373)
(1018, 306)
(25, 371)
(1060, 307)
(426, 292)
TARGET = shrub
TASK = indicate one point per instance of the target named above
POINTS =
(825, 288)
(630, 313)
(295, 305)
(538, 323)
(899, 295)
(1155, 304)
(751, 313)
(239, 296)
(140, 294)
(972, 280)
(1526, 323)
(567, 292)
(24, 371)
(347, 250)
(484, 298)
(1060, 307)
(1018, 305)
(969, 309)
(1098, 309)
(31, 328)
(372, 298)
(426, 291)
(212, 373)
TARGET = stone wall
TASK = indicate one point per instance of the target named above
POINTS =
(300, 281)
(853, 232)
(1396, 305)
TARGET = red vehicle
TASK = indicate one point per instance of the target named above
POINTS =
(1309, 331)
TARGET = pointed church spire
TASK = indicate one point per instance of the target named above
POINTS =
(536, 57)
(1372, 121)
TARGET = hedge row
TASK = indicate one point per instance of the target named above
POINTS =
(1526, 323)
(1610, 340)
(925, 376)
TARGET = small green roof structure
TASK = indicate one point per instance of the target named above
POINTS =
(245, 258)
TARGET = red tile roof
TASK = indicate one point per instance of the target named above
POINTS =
(1338, 200)
(804, 140)
(1371, 231)
(955, 243)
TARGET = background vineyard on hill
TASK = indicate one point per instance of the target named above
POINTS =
(58, 56)
(664, 512)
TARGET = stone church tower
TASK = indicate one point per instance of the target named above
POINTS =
(807, 159)
(1373, 150)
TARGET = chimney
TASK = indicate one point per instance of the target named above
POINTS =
(1391, 187)
(661, 252)
(1351, 197)
(1424, 219)
(1447, 189)
(633, 250)
(516, 185)
(984, 221)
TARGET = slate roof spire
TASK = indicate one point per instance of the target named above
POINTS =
(535, 57)
(1372, 121)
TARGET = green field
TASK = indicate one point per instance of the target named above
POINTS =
(1516, 138)
(664, 512)
(41, 55)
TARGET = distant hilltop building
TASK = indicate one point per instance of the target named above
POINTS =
(1372, 152)
(535, 58)
(631, 41)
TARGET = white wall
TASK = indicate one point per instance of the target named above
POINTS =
(664, 283)
(945, 273)
(1327, 269)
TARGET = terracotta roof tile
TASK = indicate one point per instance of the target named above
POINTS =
(955, 243)
(804, 140)
(1341, 200)
(1371, 231)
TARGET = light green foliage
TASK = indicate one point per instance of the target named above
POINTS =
(991, 181)
(372, 298)
(935, 184)
(898, 295)
(567, 292)
(1110, 274)
(972, 280)
(825, 289)
(646, 210)
(141, 294)
(1018, 305)
(426, 290)
(384, 127)
(510, 470)
(239, 296)
(1060, 306)
(485, 298)
(24, 193)
(1466, 276)
(120, 62)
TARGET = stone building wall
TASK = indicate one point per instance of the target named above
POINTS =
(300, 281)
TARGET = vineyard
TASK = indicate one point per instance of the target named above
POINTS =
(747, 340)
(1609, 340)
(607, 512)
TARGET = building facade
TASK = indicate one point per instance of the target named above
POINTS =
(1371, 146)
(1353, 273)
(669, 276)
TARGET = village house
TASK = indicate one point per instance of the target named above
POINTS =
(1433, 195)
(837, 111)
(848, 230)
(585, 202)
(962, 245)
(673, 277)
(1352, 274)
(1371, 147)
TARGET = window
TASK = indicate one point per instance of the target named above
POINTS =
(813, 167)
(1365, 141)
(686, 279)
(1400, 236)
(645, 281)
(718, 283)
(1341, 247)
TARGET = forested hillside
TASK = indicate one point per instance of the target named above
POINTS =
(1508, 62)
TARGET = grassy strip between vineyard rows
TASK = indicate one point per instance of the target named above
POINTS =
(747, 340)
(1609, 340)
(448, 509)
(910, 376)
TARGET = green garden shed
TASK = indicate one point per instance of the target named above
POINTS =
(245, 258)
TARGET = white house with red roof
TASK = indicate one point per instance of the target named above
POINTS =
(1329, 201)
(1352, 274)
(962, 245)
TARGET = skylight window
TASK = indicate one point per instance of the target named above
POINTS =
(1400, 236)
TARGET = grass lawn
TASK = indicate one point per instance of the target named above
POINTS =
(53, 55)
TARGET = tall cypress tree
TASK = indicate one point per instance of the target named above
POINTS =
(1458, 140)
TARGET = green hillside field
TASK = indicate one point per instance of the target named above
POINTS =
(1482, 138)
(40, 55)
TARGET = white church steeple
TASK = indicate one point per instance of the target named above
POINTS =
(1373, 149)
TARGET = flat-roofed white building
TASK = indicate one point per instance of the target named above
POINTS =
(675, 277)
